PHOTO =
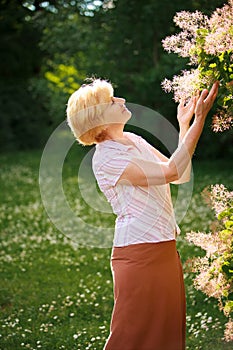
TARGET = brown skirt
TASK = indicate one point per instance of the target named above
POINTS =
(149, 298)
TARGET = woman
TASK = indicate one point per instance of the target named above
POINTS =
(149, 297)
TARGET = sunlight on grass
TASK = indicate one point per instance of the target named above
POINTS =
(57, 295)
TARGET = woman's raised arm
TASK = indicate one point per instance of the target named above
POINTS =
(145, 173)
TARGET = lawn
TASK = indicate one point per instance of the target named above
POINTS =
(55, 294)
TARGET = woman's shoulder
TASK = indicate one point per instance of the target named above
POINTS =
(132, 136)
(108, 150)
(136, 138)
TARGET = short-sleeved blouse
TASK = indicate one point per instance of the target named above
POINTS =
(144, 213)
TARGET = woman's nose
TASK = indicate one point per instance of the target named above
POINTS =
(119, 100)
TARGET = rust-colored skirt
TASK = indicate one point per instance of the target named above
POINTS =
(149, 298)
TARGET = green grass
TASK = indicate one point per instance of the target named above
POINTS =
(57, 295)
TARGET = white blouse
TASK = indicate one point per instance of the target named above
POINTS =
(144, 214)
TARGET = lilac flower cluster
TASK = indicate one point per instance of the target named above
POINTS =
(208, 43)
(219, 39)
(183, 85)
(184, 42)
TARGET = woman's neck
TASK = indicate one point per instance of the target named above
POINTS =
(119, 137)
(115, 132)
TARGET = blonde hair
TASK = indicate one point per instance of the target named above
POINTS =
(85, 110)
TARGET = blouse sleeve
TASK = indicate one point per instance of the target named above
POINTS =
(108, 167)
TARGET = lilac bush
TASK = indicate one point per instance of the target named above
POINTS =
(208, 44)
(214, 271)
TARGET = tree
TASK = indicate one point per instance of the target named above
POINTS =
(123, 43)
(25, 99)
(20, 59)
(117, 40)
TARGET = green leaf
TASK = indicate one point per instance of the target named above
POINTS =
(229, 224)
(213, 65)
(225, 213)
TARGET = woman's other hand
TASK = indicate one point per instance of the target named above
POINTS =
(185, 112)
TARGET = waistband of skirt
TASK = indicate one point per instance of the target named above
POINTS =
(146, 245)
(141, 250)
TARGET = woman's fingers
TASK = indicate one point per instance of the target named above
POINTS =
(213, 92)
(200, 103)
(210, 95)
(194, 101)
(206, 100)
(190, 102)
(203, 95)
(182, 101)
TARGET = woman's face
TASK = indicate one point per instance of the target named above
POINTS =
(116, 112)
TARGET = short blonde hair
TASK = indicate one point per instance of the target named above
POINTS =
(85, 109)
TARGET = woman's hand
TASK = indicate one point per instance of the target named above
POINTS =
(185, 112)
(205, 102)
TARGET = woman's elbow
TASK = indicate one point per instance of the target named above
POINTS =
(171, 174)
(181, 180)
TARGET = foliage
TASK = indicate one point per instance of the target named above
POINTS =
(62, 81)
(64, 63)
(66, 79)
(215, 269)
(120, 43)
(123, 44)
(207, 42)
(24, 122)
(22, 111)
(103, 38)
(128, 39)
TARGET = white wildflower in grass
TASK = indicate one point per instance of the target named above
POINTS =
(208, 43)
